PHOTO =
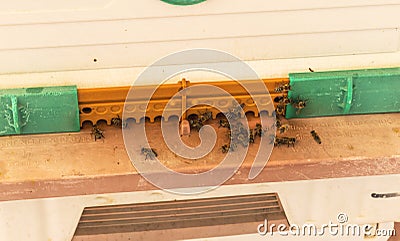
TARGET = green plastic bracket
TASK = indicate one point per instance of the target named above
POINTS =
(183, 2)
(345, 92)
(39, 110)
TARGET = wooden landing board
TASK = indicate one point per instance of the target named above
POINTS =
(34, 166)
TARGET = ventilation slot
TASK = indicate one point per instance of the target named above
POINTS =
(183, 219)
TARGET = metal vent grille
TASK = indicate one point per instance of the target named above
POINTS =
(181, 214)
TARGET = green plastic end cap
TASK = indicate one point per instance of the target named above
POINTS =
(39, 110)
(183, 2)
(364, 91)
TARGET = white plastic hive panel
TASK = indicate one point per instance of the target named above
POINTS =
(124, 36)
(60, 216)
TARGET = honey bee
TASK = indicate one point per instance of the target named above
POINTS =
(258, 131)
(226, 148)
(316, 137)
(224, 124)
(283, 88)
(195, 124)
(283, 128)
(284, 141)
(284, 100)
(97, 133)
(117, 122)
(278, 124)
(280, 110)
(205, 116)
(251, 136)
(149, 153)
(299, 104)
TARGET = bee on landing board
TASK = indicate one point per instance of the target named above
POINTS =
(228, 148)
(251, 136)
(285, 141)
(97, 133)
(283, 128)
(258, 131)
(316, 137)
